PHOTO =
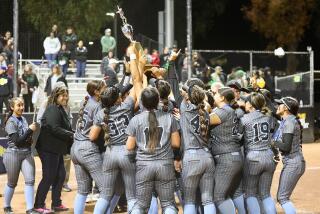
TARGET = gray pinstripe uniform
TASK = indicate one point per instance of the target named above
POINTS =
(116, 158)
(259, 164)
(85, 154)
(239, 191)
(18, 158)
(155, 170)
(198, 164)
(293, 162)
(227, 155)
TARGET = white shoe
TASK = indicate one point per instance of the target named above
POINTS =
(95, 197)
(89, 198)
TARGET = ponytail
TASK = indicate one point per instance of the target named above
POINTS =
(8, 115)
(165, 103)
(301, 129)
(81, 112)
(266, 111)
(202, 120)
(105, 126)
(153, 131)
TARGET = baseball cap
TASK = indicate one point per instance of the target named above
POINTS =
(234, 84)
(113, 61)
(289, 102)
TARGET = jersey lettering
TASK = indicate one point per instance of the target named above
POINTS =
(261, 131)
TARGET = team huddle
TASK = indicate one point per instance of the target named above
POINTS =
(215, 150)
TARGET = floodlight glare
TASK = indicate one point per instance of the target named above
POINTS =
(279, 52)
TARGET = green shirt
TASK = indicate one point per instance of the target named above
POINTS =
(108, 43)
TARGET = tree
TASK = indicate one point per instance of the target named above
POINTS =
(283, 22)
(87, 17)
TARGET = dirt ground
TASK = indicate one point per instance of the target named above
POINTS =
(306, 196)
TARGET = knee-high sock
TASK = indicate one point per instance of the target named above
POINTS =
(80, 204)
(209, 209)
(101, 206)
(189, 209)
(269, 206)
(29, 195)
(113, 203)
(253, 205)
(239, 204)
(227, 207)
(8, 194)
(153, 206)
(289, 208)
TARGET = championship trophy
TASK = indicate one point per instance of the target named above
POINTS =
(148, 70)
(127, 31)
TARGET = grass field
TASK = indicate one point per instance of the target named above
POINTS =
(306, 196)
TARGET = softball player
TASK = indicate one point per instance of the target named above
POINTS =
(225, 149)
(113, 121)
(259, 164)
(85, 154)
(288, 139)
(18, 156)
(198, 164)
(154, 133)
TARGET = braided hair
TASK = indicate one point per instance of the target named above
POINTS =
(164, 90)
(92, 86)
(196, 97)
(108, 98)
(150, 100)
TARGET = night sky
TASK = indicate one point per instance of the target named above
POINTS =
(229, 30)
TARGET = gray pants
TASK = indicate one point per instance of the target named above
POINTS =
(16, 160)
(198, 171)
(259, 169)
(155, 175)
(293, 169)
(116, 162)
(87, 162)
(227, 176)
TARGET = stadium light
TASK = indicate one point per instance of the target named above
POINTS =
(279, 52)
(110, 14)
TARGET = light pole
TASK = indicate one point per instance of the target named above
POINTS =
(189, 37)
(115, 25)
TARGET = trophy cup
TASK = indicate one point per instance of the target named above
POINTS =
(127, 31)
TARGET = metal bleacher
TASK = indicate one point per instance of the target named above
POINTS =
(76, 86)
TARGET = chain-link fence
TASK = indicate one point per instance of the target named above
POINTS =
(291, 74)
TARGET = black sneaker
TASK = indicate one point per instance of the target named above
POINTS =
(60, 208)
(7, 210)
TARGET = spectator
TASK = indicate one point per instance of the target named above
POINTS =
(81, 53)
(198, 65)
(8, 49)
(110, 75)
(6, 88)
(155, 57)
(70, 39)
(56, 76)
(51, 48)
(30, 81)
(148, 56)
(63, 58)
(1, 46)
(54, 29)
(7, 37)
(3, 63)
(164, 56)
(218, 76)
(108, 43)
(110, 55)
